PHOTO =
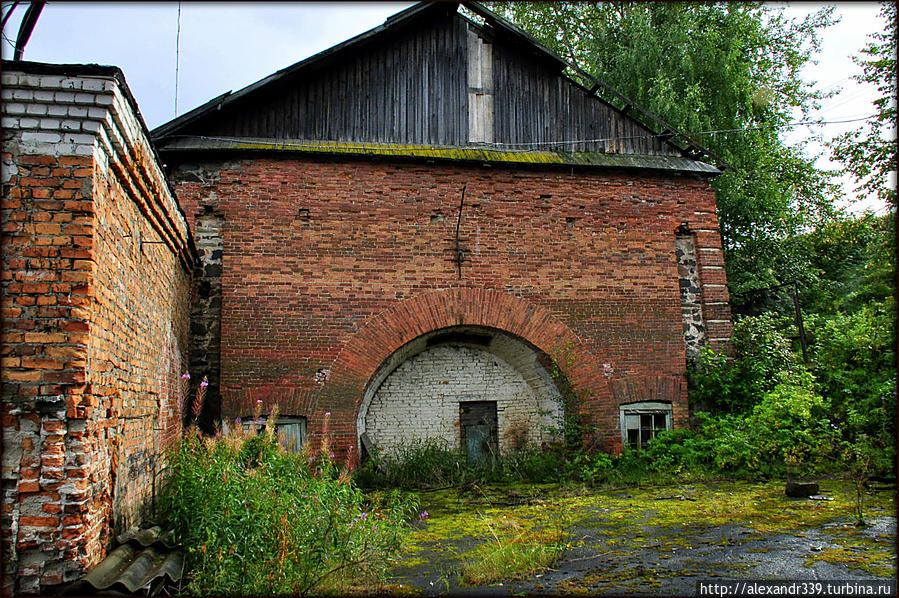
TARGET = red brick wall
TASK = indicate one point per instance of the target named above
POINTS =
(314, 251)
(94, 326)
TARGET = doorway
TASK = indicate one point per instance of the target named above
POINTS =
(479, 430)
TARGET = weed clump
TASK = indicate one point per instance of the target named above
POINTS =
(256, 520)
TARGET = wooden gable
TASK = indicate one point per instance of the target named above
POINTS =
(428, 77)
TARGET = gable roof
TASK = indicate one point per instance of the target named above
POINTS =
(607, 128)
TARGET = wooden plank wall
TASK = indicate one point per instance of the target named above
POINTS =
(413, 88)
(535, 106)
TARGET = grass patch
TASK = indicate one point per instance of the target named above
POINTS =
(508, 558)
(481, 535)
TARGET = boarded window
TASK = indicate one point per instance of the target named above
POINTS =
(290, 430)
(641, 422)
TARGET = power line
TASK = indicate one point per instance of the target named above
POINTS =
(177, 57)
(668, 135)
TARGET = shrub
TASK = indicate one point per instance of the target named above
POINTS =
(418, 463)
(532, 464)
(854, 358)
(255, 520)
(762, 353)
(790, 427)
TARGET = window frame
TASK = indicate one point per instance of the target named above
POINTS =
(643, 408)
(281, 420)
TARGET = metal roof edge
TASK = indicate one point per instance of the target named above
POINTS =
(162, 130)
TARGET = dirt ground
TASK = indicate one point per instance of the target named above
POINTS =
(648, 541)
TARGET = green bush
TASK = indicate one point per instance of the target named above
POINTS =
(790, 426)
(762, 354)
(532, 464)
(854, 358)
(255, 520)
(418, 463)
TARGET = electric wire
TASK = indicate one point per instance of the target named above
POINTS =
(303, 143)
(177, 57)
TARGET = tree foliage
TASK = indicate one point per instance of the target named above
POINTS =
(730, 68)
(870, 153)
(854, 262)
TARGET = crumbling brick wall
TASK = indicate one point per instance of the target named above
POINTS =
(97, 262)
(315, 249)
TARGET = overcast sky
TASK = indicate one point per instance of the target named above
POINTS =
(226, 46)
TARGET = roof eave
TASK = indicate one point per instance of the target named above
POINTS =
(473, 154)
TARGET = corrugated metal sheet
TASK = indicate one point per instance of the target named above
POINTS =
(459, 154)
(144, 561)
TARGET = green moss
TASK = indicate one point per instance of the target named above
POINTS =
(623, 525)
(469, 154)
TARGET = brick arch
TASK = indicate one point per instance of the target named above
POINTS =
(383, 334)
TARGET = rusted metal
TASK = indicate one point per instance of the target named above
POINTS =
(460, 253)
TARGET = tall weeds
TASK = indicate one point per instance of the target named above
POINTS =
(255, 520)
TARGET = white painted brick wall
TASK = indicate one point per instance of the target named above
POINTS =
(420, 399)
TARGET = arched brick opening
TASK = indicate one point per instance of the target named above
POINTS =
(420, 391)
(371, 346)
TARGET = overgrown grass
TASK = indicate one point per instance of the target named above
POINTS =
(505, 559)
(255, 520)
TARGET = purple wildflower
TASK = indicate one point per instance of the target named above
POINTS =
(423, 515)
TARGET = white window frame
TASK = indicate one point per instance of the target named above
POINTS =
(638, 409)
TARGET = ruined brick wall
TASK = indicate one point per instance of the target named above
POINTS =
(581, 264)
(96, 278)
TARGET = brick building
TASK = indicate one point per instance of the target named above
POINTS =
(432, 231)
(97, 264)
(428, 231)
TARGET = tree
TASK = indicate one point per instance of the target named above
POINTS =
(870, 153)
(855, 264)
(728, 68)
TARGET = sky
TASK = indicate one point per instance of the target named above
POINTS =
(229, 45)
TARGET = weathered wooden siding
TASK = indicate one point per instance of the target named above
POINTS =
(535, 106)
(412, 87)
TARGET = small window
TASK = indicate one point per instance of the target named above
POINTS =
(641, 422)
(292, 430)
